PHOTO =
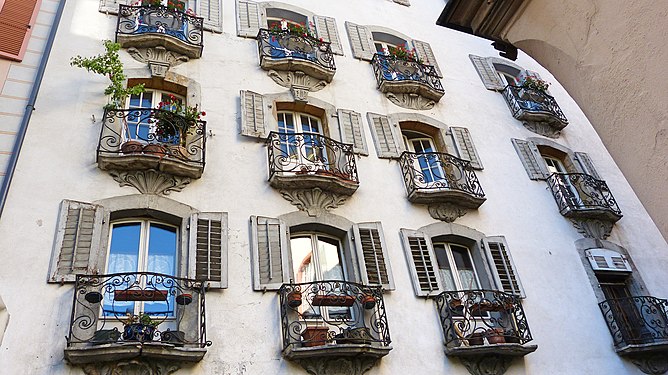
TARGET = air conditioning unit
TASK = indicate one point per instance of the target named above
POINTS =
(604, 260)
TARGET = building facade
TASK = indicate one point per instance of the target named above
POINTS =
(307, 187)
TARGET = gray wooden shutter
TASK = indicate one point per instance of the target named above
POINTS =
(326, 29)
(385, 137)
(252, 115)
(421, 263)
(350, 127)
(211, 11)
(586, 164)
(403, 2)
(504, 270)
(424, 53)
(77, 245)
(361, 41)
(270, 252)
(111, 6)
(465, 147)
(248, 18)
(531, 159)
(490, 78)
(371, 250)
(207, 250)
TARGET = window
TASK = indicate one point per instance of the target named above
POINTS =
(541, 158)
(496, 73)
(455, 266)
(142, 127)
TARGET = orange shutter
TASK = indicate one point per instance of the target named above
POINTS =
(16, 20)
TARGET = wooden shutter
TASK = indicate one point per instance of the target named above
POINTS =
(326, 29)
(586, 165)
(17, 17)
(424, 53)
(372, 255)
(252, 115)
(211, 11)
(385, 137)
(421, 263)
(270, 252)
(361, 41)
(248, 18)
(490, 78)
(403, 2)
(531, 159)
(350, 127)
(77, 244)
(465, 147)
(208, 248)
(504, 270)
(111, 6)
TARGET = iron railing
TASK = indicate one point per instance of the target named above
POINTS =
(524, 100)
(431, 171)
(332, 312)
(312, 154)
(143, 19)
(152, 131)
(636, 320)
(390, 68)
(579, 191)
(284, 44)
(137, 307)
(482, 317)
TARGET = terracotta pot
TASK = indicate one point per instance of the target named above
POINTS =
(314, 336)
(495, 336)
(294, 298)
(155, 149)
(475, 339)
(368, 302)
(132, 147)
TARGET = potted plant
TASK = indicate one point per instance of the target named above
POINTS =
(174, 121)
(368, 301)
(176, 5)
(315, 335)
(403, 53)
(139, 327)
(496, 336)
(151, 3)
(294, 298)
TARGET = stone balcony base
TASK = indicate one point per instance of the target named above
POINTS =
(457, 197)
(411, 87)
(123, 351)
(169, 42)
(289, 64)
(134, 162)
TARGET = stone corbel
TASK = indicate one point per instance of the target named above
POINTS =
(299, 83)
(447, 212)
(411, 101)
(150, 181)
(314, 201)
(593, 228)
(490, 364)
(338, 366)
(542, 128)
(132, 367)
(653, 363)
(159, 59)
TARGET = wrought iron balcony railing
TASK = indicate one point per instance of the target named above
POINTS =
(159, 20)
(139, 307)
(332, 313)
(310, 154)
(391, 69)
(286, 45)
(530, 104)
(474, 318)
(636, 320)
(579, 194)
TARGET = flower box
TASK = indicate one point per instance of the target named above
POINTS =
(333, 300)
(140, 295)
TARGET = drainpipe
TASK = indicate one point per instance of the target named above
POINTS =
(23, 127)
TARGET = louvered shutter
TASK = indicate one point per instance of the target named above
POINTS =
(208, 248)
(361, 41)
(504, 270)
(326, 29)
(386, 137)
(111, 6)
(490, 78)
(421, 263)
(17, 17)
(271, 261)
(248, 18)
(403, 2)
(465, 147)
(252, 115)
(424, 53)
(211, 11)
(77, 244)
(531, 160)
(350, 127)
(372, 255)
(607, 260)
(586, 164)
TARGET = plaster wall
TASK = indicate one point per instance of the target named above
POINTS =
(58, 162)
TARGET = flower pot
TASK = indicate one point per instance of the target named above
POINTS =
(495, 336)
(294, 299)
(475, 339)
(511, 336)
(314, 336)
(177, 338)
(333, 300)
(105, 336)
(368, 301)
(179, 152)
(184, 299)
(155, 149)
(138, 332)
(132, 147)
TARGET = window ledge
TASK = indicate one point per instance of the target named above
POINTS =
(601, 213)
(445, 195)
(410, 87)
(509, 350)
(290, 64)
(654, 347)
(123, 351)
(311, 180)
(168, 164)
(336, 350)
(171, 43)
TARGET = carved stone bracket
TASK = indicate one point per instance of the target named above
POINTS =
(411, 101)
(133, 367)
(542, 128)
(159, 59)
(338, 366)
(299, 83)
(447, 212)
(150, 181)
(653, 364)
(593, 228)
(314, 201)
(489, 364)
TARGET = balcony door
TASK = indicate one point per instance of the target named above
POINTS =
(570, 193)
(301, 146)
(429, 170)
(455, 266)
(140, 121)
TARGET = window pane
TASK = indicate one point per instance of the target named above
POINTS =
(444, 267)
(162, 249)
(464, 266)
(331, 267)
(123, 257)
(302, 259)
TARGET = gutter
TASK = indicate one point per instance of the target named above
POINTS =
(30, 107)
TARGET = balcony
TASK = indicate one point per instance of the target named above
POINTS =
(580, 196)
(397, 76)
(153, 26)
(129, 315)
(286, 51)
(145, 138)
(479, 323)
(435, 177)
(339, 319)
(534, 105)
(310, 160)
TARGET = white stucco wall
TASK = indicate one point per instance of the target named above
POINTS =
(58, 162)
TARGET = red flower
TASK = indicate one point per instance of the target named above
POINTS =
(203, 113)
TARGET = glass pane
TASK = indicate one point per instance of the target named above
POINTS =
(302, 259)
(123, 257)
(444, 267)
(162, 240)
(464, 265)
(331, 267)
